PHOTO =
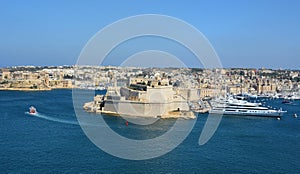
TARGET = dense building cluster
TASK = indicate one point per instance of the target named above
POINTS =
(36, 78)
(209, 82)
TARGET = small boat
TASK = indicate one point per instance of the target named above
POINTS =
(32, 110)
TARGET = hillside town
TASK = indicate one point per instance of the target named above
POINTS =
(31, 78)
(208, 82)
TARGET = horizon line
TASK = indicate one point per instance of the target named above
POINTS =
(260, 68)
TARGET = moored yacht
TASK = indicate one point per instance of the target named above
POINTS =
(233, 106)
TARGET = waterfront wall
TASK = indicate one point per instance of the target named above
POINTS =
(144, 109)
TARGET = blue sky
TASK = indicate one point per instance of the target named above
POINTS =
(245, 33)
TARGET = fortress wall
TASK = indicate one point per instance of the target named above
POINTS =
(182, 105)
(162, 94)
(131, 108)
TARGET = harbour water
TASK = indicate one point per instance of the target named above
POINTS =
(53, 142)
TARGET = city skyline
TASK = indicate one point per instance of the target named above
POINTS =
(251, 34)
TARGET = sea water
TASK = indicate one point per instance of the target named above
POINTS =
(53, 142)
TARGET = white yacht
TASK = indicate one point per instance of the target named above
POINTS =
(232, 106)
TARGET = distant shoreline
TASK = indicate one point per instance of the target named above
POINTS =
(30, 89)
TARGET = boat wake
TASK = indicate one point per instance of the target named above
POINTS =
(52, 118)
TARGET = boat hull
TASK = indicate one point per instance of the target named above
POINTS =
(266, 114)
